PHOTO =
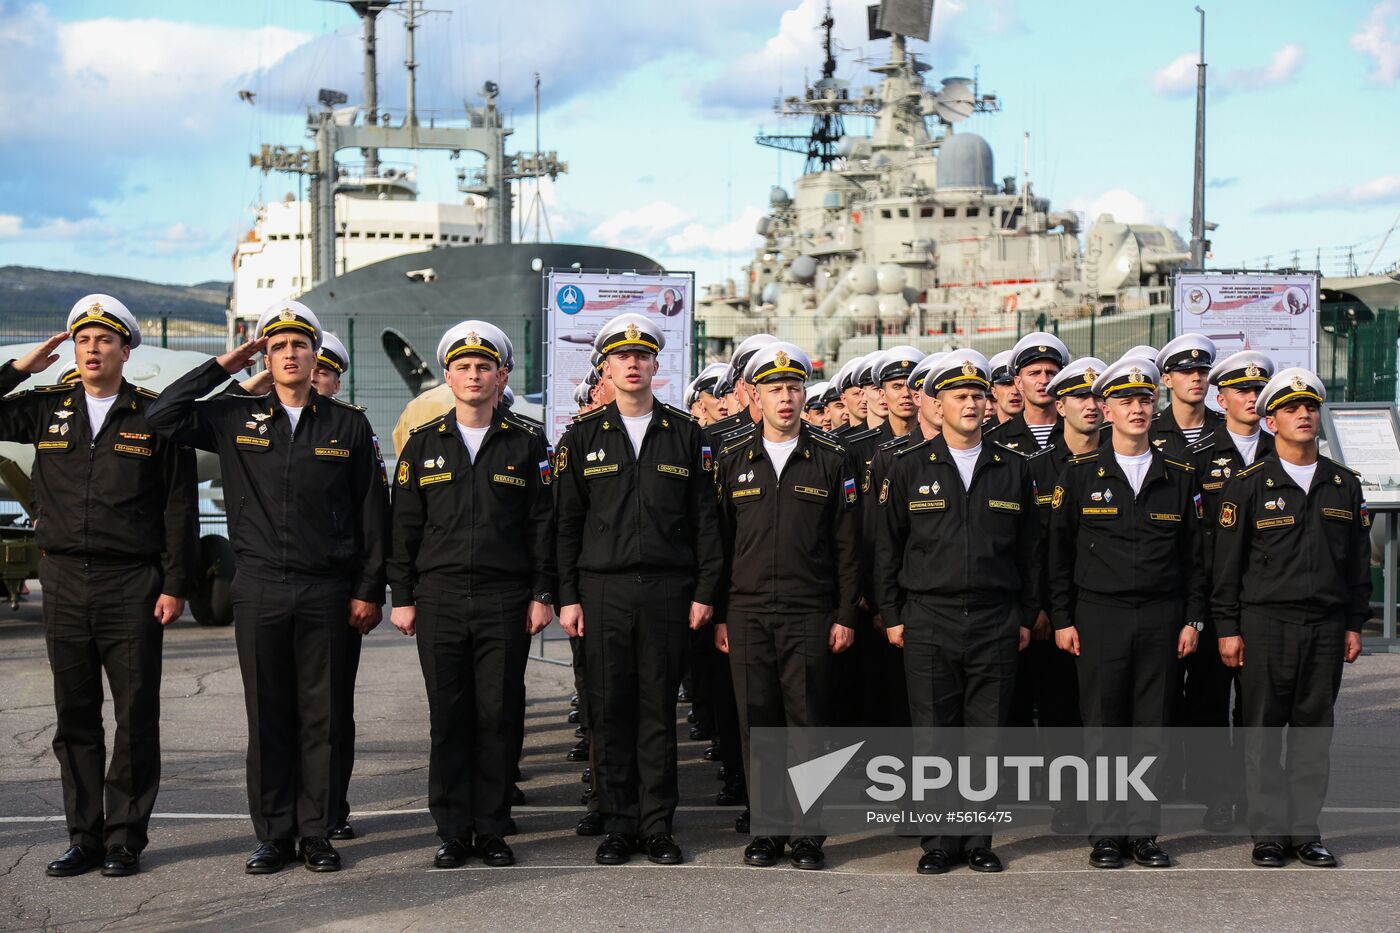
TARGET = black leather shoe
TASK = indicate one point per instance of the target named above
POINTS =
(661, 849)
(763, 852)
(573, 717)
(1316, 855)
(579, 752)
(983, 859)
(807, 854)
(741, 823)
(76, 861)
(342, 831)
(583, 798)
(1106, 854)
(1268, 855)
(1148, 854)
(270, 856)
(120, 862)
(452, 854)
(711, 752)
(517, 796)
(494, 852)
(590, 825)
(699, 733)
(587, 776)
(318, 854)
(1219, 818)
(615, 849)
(934, 862)
(573, 700)
(580, 732)
(692, 717)
(731, 795)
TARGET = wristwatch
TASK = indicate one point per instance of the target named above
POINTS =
(546, 598)
(1198, 626)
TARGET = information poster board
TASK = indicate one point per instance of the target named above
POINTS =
(1273, 313)
(1366, 437)
(578, 304)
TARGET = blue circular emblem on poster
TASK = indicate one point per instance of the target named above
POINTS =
(569, 299)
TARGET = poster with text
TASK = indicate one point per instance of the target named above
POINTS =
(1272, 313)
(578, 304)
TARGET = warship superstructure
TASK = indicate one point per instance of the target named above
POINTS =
(908, 235)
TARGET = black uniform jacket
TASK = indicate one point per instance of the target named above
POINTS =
(874, 474)
(476, 526)
(1016, 434)
(1106, 542)
(304, 508)
(620, 512)
(1166, 435)
(124, 495)
(792, 542)
(942, 541)
(1297, 555)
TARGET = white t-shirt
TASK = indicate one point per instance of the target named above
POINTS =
(293, 415)
(98, 409)
(472, 437)
(966, 460)
(1247, 445)
(1302, 475)
(779, 451)
(636, 430)
(1135, 468)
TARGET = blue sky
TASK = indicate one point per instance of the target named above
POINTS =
(125, 145)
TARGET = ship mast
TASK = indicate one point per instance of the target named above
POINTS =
(823, 101)
(369, 11)
(1198, 193)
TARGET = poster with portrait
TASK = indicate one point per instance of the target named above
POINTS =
(578, 304)
(1272, 313)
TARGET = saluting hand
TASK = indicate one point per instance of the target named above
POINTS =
(571, 619)
(1232, 651)
(1068, 640)
(168, 609)
(538, 616)
(260, 383)
(42, 356)
(239, 357)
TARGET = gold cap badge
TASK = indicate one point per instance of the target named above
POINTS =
(781, 359)
(633, 331)
(1089, 374)
(969, 368)
(287, 315)
(1252, 372)
(1299, 385)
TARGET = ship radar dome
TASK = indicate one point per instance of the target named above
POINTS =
(965, 162)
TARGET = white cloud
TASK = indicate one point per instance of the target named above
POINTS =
(1382, 190)
(1177, 78)
(1126, 208)
(1379, 40)
(88, 229)
(748, 86)
(668, 232)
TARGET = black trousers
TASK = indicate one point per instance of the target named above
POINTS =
(473, 649)
(636, 634)
(581, 688)
(96, 619)
(291, 651)
(726, 713)
(698, 677)
(1291, 677)
(1127, 664)
(782, 667)
(960, 665)
(1203, 706)
(345, 709)
(1047, 688)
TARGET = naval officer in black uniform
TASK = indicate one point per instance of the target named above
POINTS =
(1127, 594)
(640, 564)
(116, 524)
(790, 523)
(1185, 364)
(1292, 589)
(956, 575)
(308, 518)
(471, 572)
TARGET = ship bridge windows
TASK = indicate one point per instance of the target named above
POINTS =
(884, 213)
(974, 212)
(925, 211)
(949, 212)
(904, 212)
